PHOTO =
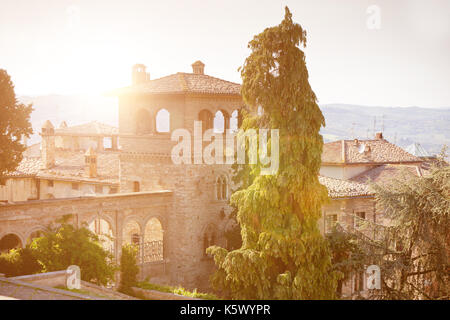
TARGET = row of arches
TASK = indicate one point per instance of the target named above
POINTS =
(220, 121)
(148, 238)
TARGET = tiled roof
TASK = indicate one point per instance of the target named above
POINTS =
(344, 188)
(185, 83)
(385, 173)
(70, 165)
(94, 128)
(27, 167)
(365, 151)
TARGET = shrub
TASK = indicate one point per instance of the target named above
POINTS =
(128, 269)
(18, 262)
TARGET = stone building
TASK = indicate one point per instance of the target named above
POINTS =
(173, 212)
(68, 162)
(124, 185)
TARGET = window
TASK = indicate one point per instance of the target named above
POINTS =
(98, 189)
(75, 186)
(331, 221)
(107, 142)
(360, 217)
(221, 121)
(163, 121)
(2, 182)
(136, 186)
(50, 183)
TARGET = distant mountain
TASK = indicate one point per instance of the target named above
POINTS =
(402, 126)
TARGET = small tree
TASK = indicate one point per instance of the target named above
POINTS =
(129, 269)
(346, 256)
(66, 245)
(413, 251)
(14, 124)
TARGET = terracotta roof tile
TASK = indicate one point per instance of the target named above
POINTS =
(365, 151)
(185, 83)
(386, 173)
(94, 128)
(344, 188)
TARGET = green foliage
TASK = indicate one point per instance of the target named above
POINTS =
(129, 269)
(347, 256)
(14, 123)
(413, 251)
(67, 245)
(18, 262)
(177, 290)
(283, 254)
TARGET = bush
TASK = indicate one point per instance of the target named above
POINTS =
(128, 269)
(18, 262)
(68, 245)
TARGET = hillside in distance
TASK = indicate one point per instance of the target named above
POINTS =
(400, 125)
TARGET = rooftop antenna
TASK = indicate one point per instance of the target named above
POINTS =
(382, 123)
(395, 138)
(368, 132)
(374, 124)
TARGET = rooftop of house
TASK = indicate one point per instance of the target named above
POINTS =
(70, 165)
(344, 188)
(93, 128)
(181, 83)
(376, 151)
(387, 172)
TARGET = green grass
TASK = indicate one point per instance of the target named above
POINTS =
(177, 290)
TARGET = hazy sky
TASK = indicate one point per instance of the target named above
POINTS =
(63, 46)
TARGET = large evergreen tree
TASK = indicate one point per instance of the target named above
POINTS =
(283, 255)
(14, 124)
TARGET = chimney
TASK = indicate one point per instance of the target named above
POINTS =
(90, 163)
(198, 67)
(379, 136)
(139, 75)
(47, 145)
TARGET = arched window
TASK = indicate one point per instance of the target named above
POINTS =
(163, 121)
(234, 121)
(206, 117)
(143, 122)
(153, 241)
(103, 229)
(10, 241)
(221, 121)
